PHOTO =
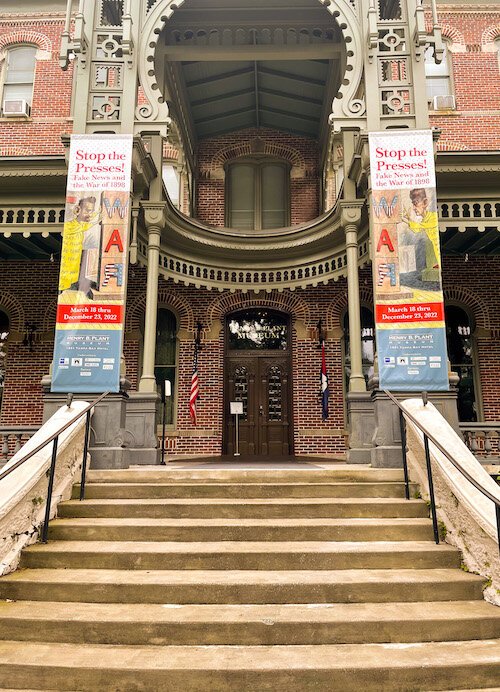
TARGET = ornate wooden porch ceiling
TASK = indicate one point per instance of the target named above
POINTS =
(229, 66)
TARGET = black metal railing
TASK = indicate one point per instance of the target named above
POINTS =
(54, 438)
(403, 415)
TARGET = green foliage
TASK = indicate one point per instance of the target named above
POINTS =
(443, 531)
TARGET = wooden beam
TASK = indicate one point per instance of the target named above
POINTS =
(313, 51)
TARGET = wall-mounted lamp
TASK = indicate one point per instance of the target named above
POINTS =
(197, 339)
(30, 329)
(321, 333)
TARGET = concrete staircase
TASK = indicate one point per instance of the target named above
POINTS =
(245, 580)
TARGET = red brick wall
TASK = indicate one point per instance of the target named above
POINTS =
(41, 133)
(33, 286)
(476, 122)
(301, 152)
(475, 282)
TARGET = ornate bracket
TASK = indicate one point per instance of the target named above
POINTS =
(422, 38)
(154, 215)
(127, 40)
(80, 42)
(372, 26)
(350, 214)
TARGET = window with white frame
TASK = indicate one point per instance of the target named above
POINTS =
(257, 195)
(438, 77)
(19, 73)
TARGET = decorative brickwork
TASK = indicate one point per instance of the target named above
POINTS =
(14, 311)
(473, 301)
(286, 302)
(338, 307)
(456, 42)
(167, 299)
(488, 39)
(476, 122)
(25, 36)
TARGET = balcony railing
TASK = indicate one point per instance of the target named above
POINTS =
(483, 440)
(12, 438)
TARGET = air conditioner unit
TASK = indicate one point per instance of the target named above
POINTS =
(15, 108)
(444, 103)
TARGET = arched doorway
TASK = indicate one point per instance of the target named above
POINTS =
(258, 374)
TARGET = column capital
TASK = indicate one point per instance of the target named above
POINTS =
(154, 215)
(350, 213)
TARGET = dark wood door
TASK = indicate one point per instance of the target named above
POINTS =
(262, 383)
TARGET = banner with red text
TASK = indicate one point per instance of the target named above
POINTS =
(409, 311)
(92, 279)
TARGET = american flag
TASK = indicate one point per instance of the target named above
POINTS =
(195, 387)
(325, 393)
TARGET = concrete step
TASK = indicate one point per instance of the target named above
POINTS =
(347, 667)
(254, 508)
(241, 490)
(241, 586)
(115, 529)
(248, 624)
(241, 555)
(343, 473)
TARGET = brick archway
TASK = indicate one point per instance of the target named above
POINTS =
(14, 311)
(284, 302)
(337, 307)
(167, 299)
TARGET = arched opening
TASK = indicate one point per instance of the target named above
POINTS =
(4, 334)
(249, 68)
(166, 363)
(258, 378)
(463, 361)
(367, 345)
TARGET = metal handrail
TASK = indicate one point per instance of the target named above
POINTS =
(55, 439)
(439, 446)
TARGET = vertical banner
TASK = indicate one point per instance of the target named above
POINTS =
(409, 310)
(92, 280)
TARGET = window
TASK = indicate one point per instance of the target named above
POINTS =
(166, 360)
(438, 77)
(258, 330)
(461, 352)
(111, 13)
(19, 74)
(4, 334)
(257, 195)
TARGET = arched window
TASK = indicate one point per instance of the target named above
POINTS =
(461, 352)
(439, 80)
(367, 345)
(166, 360)
(257, 195)
(19, 74)
(4, 333)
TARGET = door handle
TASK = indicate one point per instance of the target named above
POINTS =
(261, 410)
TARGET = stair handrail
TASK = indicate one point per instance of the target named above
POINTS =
(403, 414)
(87, 411)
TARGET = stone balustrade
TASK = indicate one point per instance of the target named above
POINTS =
(12, 439)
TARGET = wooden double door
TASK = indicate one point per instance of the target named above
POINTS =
(261, 382)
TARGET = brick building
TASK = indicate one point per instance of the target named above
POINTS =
(250, 188)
